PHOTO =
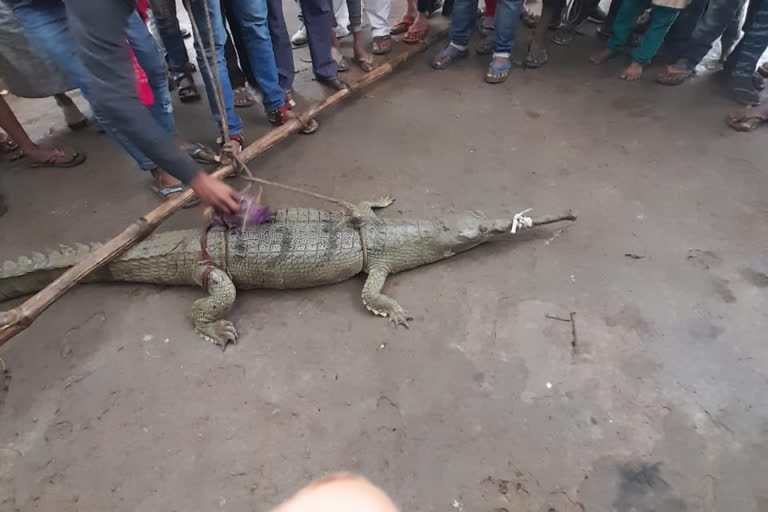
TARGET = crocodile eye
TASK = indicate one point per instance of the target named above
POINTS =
(483, 229)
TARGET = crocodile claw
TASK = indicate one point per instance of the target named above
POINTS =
(220, 333)
(400, 318)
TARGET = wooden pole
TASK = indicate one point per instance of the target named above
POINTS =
(19, 318)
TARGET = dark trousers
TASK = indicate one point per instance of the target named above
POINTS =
(317, 20)
(679, 36)
(743, 60)
(281, 43)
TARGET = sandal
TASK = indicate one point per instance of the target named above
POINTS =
(333, 82)
(747, 119)
(201, 153)
(496, 74)
(243, 97)
(342, 64)
(366, 64)
(283, 114)
(403, 25)
(563, 36)
(447, 55)
(415, 36)
(536, 57)
(673, 75)
(381, 45)
(169, 192)
(7, 144)
(187, 89)
(61, 160)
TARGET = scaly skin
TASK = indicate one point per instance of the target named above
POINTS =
(296, 248)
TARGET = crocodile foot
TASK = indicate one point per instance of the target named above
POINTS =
(220, 332)
(399, 318)
(382, 202)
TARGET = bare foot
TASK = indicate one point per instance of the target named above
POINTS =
(601, 56)
(632, 72)
(421, 22)
(39, 155)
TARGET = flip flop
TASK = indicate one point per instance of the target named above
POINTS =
(677, 77)
(201, 153)
(446, 56)
(381, 45)
(243, 97)
(8, 145)
(415, 36)
(536, 57)
(503, 69)
(188, 92)
(746, 119)
(64, 161)
(403, 25)
(365, 65)
(166, 192)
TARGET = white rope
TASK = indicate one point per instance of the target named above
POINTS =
(521, 221)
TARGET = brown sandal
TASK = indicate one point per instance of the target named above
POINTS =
(64, 160)
(365, 64)
(747, 119)
(415, 36)
(403, 25)
(381, 45)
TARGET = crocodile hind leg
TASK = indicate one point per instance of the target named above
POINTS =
(208, 312)
(378, 303)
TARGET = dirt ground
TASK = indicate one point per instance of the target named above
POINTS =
(485, 404)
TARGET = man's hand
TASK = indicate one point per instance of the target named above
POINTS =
(215, 193)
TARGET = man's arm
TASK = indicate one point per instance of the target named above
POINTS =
(99, 28)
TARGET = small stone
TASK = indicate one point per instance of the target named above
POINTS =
(549, 385)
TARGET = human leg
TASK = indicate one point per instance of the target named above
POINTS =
(317, 20)
(622, 28)
(214, 55)
(251, 18)
(743, 61)
(281, 43)
(662, 19)
(151, 61)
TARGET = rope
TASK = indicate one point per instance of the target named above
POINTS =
(351, 210)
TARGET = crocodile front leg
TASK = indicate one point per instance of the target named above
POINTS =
(378, 303)
(208, 312)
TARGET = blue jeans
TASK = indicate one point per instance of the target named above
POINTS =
(507, 15)
(711, 25)
(215, 57)
(167, 24)
(45, 25)
(250, 16)
(743, 60)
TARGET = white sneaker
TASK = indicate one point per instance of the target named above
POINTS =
(300, 37)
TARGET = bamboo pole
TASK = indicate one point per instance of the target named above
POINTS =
(19, 318)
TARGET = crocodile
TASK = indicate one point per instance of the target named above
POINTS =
(294, 248)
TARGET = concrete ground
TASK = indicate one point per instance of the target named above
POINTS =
(485, 404)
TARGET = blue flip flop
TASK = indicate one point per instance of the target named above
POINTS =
(491, 79)
(446, 56)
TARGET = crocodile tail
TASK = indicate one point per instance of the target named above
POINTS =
(29, 274)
